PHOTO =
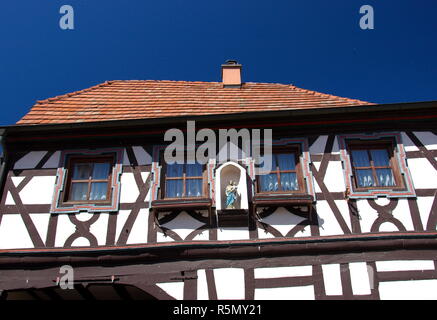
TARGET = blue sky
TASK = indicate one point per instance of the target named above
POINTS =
(316, 45)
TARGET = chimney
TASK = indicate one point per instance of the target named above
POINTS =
(231, 74)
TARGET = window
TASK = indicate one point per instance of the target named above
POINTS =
(285, 174)
(89, 180)
(289, 181)
(183, 181)
(374, 165)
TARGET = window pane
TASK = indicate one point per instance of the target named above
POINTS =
(98, 190)
(364, 178)
(289, 181)
(194, 170)
(360, 158)
(267, 163)
(286, 161)
(193, 187)
(380, 157)
(174, 188)
(100, 170)
(385, 177)
(79, 191)
(268, 182)
(81, 171)
(175, 170)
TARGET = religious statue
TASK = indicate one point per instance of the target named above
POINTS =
(231, 194)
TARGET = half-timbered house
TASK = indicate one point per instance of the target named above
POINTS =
(348, 209)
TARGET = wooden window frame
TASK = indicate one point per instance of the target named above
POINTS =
(296, 150)
(164, 178)
(74, 159)
(387, 144)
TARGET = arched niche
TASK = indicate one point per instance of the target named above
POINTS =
(225, 173)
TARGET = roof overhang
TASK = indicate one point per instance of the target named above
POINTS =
(366, 115)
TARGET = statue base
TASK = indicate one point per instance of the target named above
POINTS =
(233, 218)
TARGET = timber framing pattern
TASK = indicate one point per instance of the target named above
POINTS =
(369, 231)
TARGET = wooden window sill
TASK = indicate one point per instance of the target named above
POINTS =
(282, 199)
(197, 203)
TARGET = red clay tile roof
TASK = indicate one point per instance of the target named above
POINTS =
(141, 99)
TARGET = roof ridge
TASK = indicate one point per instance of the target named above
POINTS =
(313, 92)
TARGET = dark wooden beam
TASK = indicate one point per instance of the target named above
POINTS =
(3, 294)
(84, 292)
(51, 294)
(33, 294)
(122, 292)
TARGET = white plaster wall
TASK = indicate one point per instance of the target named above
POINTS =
(404, 265)
(428, 139)
(232, 233)
(160, 237)
(360, 278)
(335, 146)
(344, 210)
(41, 222)
(13, 233)
(39, 190)
(317, 164)
(202, 285)
(408, 290)
(53, 161)
(318, 146)
(29, 160)
(368, 215)
(83, 216)
(229, 283)
(100, 228)
(81, 242)
(204, 235)
(9, 200)
(382, 201)
(140, 229)
(316, 184)
(306, 232)
(230, 151)
(183, 224)
(282, 220)
(334, 179)
(262, 234)
(16, 180)
(327, 221)
(332, 279)
(424, 204)
(286, 293)
(126, 161)
(423, 173)
(142, 156)
(122, 216)
(388, 227)
(128, 191)
(145, 175)
(279, 272)
(64, 229)
(408, 144)
(174, 289)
